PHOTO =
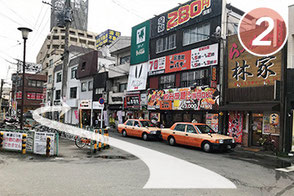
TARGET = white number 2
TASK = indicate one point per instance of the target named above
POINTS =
(257, 41)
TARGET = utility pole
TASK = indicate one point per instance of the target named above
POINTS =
(1, 90)
(67, 20)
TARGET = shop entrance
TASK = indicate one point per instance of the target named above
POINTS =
(256, 128)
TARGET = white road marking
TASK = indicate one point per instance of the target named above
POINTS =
(286, 169)
(166, 172)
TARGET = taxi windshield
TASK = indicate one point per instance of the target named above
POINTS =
(204, 129)
(147, 124)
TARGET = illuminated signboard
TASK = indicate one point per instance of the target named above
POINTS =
(186, 14)
(106, 38)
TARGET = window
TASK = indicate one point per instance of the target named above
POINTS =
(55, 46)
(81, 34)
(72, 32)
(84, 66)
(90, 85)
(123, 87)
(58, 77)
(74, 72)
(55, 37)
(57, 95)
(83, 41)
(194, 78)
(73, 39)
(50, 79)
(89, 36)
(73, 92)
(167, 81)
(130, 123)
(180, 127)
(50, 62)
(204, 129)
(124, 60)
(84, 86)
(166, 43)
(32, 83)
(136, 124)
(99, 91)
(191, 129)
(40, 84)
(91, 43)
(196, 34)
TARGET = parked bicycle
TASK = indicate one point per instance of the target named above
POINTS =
(82, 142)
(268, 143)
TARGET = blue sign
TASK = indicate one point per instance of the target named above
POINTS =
(106, 38)
(101, 101)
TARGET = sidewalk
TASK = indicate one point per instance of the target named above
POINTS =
(259, 153)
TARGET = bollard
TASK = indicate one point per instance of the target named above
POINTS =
(1, 140)
(106, 137)
(48, 146)
(100, 138)
(95, 143)
(24, 143)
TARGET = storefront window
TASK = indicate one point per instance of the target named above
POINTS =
(194, 78)
(167, 81)
(187, 118)
(177, 117)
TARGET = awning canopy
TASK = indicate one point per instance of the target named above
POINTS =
(273, 106)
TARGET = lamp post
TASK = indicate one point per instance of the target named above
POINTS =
(25, 32)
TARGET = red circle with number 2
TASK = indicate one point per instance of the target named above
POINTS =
(262, 32)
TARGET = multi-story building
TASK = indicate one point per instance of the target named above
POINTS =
(182, 52)
(118, 77)
(51, 52)
(34, 90)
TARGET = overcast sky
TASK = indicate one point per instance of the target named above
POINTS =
(118, 15)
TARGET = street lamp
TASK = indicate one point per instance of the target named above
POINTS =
(25, 32)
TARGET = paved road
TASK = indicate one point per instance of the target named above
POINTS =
(78, 173)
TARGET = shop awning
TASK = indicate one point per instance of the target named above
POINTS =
(273, 106)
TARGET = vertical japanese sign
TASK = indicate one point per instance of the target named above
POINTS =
(140, 43)
(247, 70)
(12, 141)
(236, 126)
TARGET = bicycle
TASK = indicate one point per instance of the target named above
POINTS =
(268, 144)
(82, 142)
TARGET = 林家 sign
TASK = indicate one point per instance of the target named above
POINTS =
(247, 70)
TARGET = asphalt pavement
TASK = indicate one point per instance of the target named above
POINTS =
(116, 172)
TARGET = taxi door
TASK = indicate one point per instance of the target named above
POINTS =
(179, 133)
(129, 127)
(192, 136)
(137, 129)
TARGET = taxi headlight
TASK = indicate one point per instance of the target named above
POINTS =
(152, 132)
(221, 141)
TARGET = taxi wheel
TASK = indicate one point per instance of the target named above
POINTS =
(124, 133)
(206, 147)
(145, 136)
(171, 141)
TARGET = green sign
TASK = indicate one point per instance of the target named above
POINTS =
(140, 43)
